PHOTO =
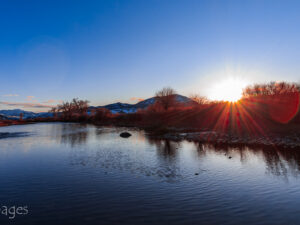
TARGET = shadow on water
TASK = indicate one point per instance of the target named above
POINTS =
(13, 134)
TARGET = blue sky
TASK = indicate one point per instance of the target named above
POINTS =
(107, 51)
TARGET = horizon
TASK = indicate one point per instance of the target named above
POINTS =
(138, 101)
(112, 51)
(234, 98)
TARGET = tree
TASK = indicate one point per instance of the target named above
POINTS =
(21, 116)
(279, 99)
(102, 113)
(166, 97)
(79, 106)
(200, 100)
(68, 109)
(54, 111)
(271, 89)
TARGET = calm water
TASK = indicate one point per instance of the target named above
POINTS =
(82, 174)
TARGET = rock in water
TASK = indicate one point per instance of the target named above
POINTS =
(125, 135)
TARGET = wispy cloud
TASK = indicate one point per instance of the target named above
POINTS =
(10, 95)
(136, 99)
(26, 104)
(53, 101)
(30, 98)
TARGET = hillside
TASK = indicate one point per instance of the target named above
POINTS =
(114, 108)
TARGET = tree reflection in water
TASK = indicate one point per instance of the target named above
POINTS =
(111, 151)
(73, 134)
(166, 148)
(279, 161)
(167, 160)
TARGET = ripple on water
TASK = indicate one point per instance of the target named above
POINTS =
(82, 174)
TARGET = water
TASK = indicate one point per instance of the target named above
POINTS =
(83, 174)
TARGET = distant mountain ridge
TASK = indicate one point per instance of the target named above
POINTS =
(14, 114)
(132, 108)
(114, 108)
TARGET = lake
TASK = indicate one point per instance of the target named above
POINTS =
(68, 173)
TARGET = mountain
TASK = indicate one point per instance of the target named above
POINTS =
(131, 108)
(15, 114)
(114, 108)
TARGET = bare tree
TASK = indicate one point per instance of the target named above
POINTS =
(74, 107)
(79, 106)
(54, 111)
(200, 100)
(270, 89)
(66, 109)
(166, 97)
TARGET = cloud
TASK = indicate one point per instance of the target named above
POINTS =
(30, 98)
(50, 101)
(136, 99)
(26, 105)
(10, 95)
(53, 101)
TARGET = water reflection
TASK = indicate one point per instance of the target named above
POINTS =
(70, 171)
(111, 151)
(165, 148)
(13, 134)
(278, 161)
(73, 134)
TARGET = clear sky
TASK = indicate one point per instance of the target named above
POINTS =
(108, 51)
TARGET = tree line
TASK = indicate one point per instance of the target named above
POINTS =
(278, 100)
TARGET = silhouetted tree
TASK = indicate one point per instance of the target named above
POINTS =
(68, 109)
(272, 88)
(200, 100)
(79, 106)
(166, 97)
(54, 111)
(278, 101)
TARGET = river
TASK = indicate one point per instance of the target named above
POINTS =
(68, 173)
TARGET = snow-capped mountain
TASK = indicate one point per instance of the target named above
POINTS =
(114, 108)
(15, 114)
(132, 108)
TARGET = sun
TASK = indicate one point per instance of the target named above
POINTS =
(230, 89)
